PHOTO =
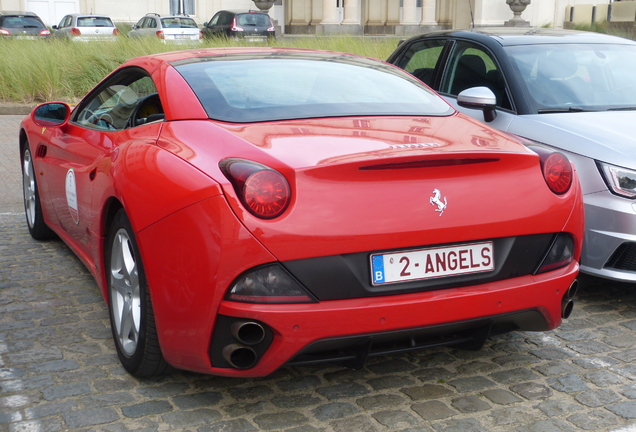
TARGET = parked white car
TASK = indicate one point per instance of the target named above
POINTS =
(83, 28)
(169, 28)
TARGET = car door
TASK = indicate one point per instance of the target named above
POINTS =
(450, 66)
(470, 65)
(137, 29)
(80, 156)
(63, 28)
(424, 59)
(212, 28)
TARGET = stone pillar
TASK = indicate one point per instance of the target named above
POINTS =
(351, 21)
(410, 22)
(409, 13)
(376, 12)
(298, 17)
(393, 13)
(329, 13)
(429, 13)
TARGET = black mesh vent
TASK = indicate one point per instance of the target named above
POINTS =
(624, 258)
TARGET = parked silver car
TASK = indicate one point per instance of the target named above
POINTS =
(84, 28)
(567, 90)
(169, 28)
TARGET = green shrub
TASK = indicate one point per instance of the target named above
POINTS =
(39, 71)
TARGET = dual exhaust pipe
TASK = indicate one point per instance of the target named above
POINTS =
(567, 303)
(241, 355)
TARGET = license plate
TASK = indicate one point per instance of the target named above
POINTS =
(183, 37)
(431, 263)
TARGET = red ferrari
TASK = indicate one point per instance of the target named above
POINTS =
(245, 209)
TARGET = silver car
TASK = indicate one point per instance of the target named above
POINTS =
(84, 28)
(169, 28)
(567, 90)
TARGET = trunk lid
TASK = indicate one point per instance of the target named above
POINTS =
(372, 184)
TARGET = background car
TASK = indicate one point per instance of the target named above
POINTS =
(337, 210)
(252, 26)
(83, 28)
(22, 25)
(171, 28)
(569, 91)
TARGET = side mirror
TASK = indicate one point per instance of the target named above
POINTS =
(481, 98)
(52, 114)
(54, 27)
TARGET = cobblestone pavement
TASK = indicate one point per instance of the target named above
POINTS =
(59, 370)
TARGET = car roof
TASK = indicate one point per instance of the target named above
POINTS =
(154, 14)
(508, 36)
(87, 15)
(245, 11)
(21, 13)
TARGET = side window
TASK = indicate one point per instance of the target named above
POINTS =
(214, 20)
(421, 59)
(128, 99)
(471, 65)
(225, 19)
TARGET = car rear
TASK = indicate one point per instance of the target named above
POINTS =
(179, 30)
(22, 26)
(253, 26)
(94, 28)
(346, 236)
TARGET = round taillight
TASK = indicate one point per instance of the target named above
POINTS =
(263, 191)
(557, 171)
(266, 194)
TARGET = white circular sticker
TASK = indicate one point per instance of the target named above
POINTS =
(71, 195)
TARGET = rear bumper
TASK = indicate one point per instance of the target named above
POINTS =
(304, 333)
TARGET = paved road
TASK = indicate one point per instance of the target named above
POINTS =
(59, 370)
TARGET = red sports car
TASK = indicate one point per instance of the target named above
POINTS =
(245, 209)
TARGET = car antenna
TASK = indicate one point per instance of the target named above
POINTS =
(472, 18)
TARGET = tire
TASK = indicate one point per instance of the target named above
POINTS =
(131, 317)
(31, 194)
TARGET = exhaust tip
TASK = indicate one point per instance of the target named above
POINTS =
(573, 290)
(566, 309)
(248, 332)
(239, 356)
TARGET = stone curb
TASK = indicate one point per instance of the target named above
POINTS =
(16, 109)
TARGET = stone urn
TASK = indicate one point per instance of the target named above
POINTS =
(264, 5)
(517, 7)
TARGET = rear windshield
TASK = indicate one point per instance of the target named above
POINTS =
(178, 22)
(94, 22)
(21, 22)
(253, 19)
(279, 86)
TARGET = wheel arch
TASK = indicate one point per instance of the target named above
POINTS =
(23, 142)
(110, 209)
